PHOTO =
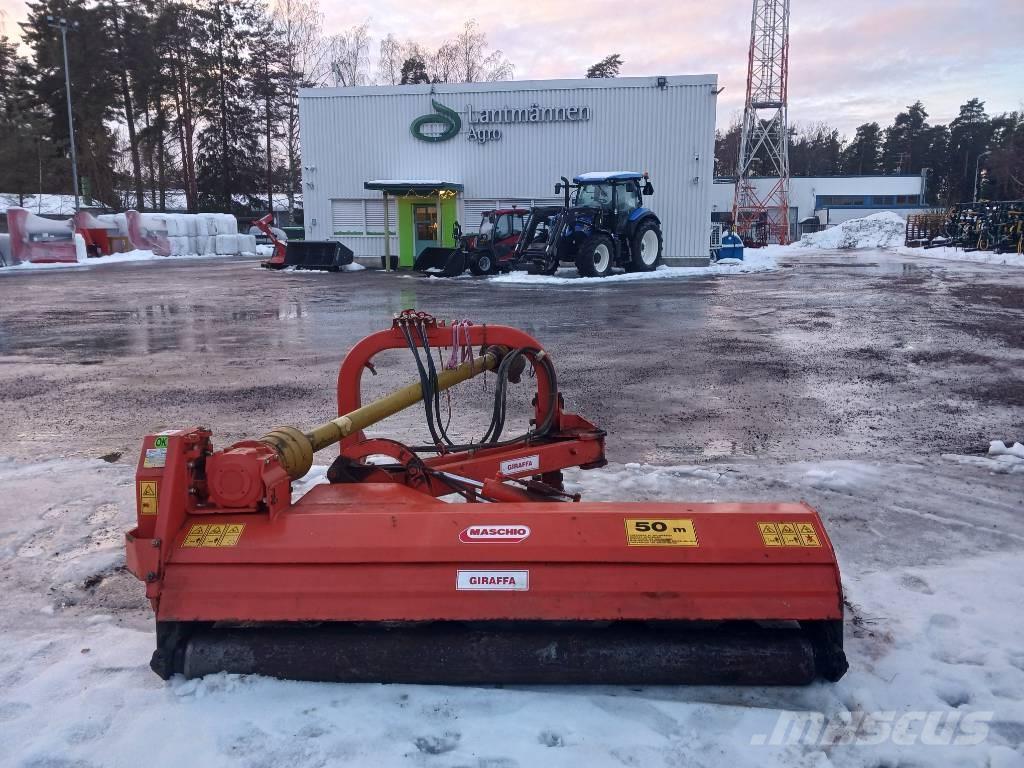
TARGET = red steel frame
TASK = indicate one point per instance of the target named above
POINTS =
(763, 218)
(573, 441)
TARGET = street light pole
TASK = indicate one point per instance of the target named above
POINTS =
(62, 24)
(977, 170)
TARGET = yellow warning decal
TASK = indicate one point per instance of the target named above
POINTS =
(213, 535)
(808, 536)
(789, 535)
(232, 533)
(660, 533)
(195, 536)
(770, 534)
(149, 495)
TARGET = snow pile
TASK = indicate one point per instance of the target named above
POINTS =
(1001, 459)
(973, 257)
(879, 230)
(114, 258)
(753, 261)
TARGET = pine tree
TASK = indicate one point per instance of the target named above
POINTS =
(905, 142)
(269, 79)
(93, 87)
(607, 67)
(970, 133)
(862, 156)
(414, 71)
(229, 142)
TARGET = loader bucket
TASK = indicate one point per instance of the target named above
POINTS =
(441, 262)
(329, 255)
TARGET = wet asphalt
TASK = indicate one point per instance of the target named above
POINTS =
(831, 356)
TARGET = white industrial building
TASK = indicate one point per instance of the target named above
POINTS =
(444, 153)
(834, 199)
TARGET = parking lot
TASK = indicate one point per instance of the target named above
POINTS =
(829, 356)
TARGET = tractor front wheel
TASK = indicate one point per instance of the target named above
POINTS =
(483, 263)
(645, 247)
(595, 257)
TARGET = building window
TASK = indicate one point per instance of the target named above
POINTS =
(375, 216)
(359, 217)
(347, 217)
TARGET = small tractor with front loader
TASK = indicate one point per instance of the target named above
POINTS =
(489, 250)
(602, 224)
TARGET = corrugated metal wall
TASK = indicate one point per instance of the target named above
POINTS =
(353, 135)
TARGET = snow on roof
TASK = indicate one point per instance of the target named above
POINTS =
(411, 182)
(387, 185)
(598, 176)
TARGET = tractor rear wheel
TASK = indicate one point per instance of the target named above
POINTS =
(645, 246)
(595, 257)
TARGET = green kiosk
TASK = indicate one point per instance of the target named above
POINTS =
(426, 216)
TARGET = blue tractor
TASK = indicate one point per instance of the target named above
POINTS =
(602, 224)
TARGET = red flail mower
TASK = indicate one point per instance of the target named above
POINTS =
(373, 577)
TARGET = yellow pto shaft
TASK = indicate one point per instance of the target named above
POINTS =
(295, 448)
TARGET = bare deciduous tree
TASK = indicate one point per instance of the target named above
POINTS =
(306, 64)
(389, 63)
(473, 62)
(443, 64)
(350, 56)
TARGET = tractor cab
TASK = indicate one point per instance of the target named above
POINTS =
(602, 224)
(501, 226)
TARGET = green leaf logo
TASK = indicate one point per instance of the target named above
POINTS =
(447, 118)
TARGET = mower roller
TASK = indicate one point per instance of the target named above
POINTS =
(373, 577)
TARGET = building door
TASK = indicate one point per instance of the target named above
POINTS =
(424, 224)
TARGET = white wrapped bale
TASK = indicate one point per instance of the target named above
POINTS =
(227, 245)
(179, 244)
(226, 224)
(154, 222)
(207, 223)
(204, 245)
(172, 225)
(247, 244)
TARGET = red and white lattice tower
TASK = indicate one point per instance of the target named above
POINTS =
(761, 213)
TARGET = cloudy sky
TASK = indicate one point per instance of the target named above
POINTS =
(851, 61)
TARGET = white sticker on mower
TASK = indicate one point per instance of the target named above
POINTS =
(519, 466)
(155, 458)
(494, 534)
(496, 581)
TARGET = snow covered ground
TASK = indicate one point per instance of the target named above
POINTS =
(763, 260)
(930, 550)
(956, 254)
(114, 258)
(353, 267)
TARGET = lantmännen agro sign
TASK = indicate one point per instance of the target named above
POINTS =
(482, 122)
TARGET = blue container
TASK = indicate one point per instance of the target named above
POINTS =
(732, 247)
